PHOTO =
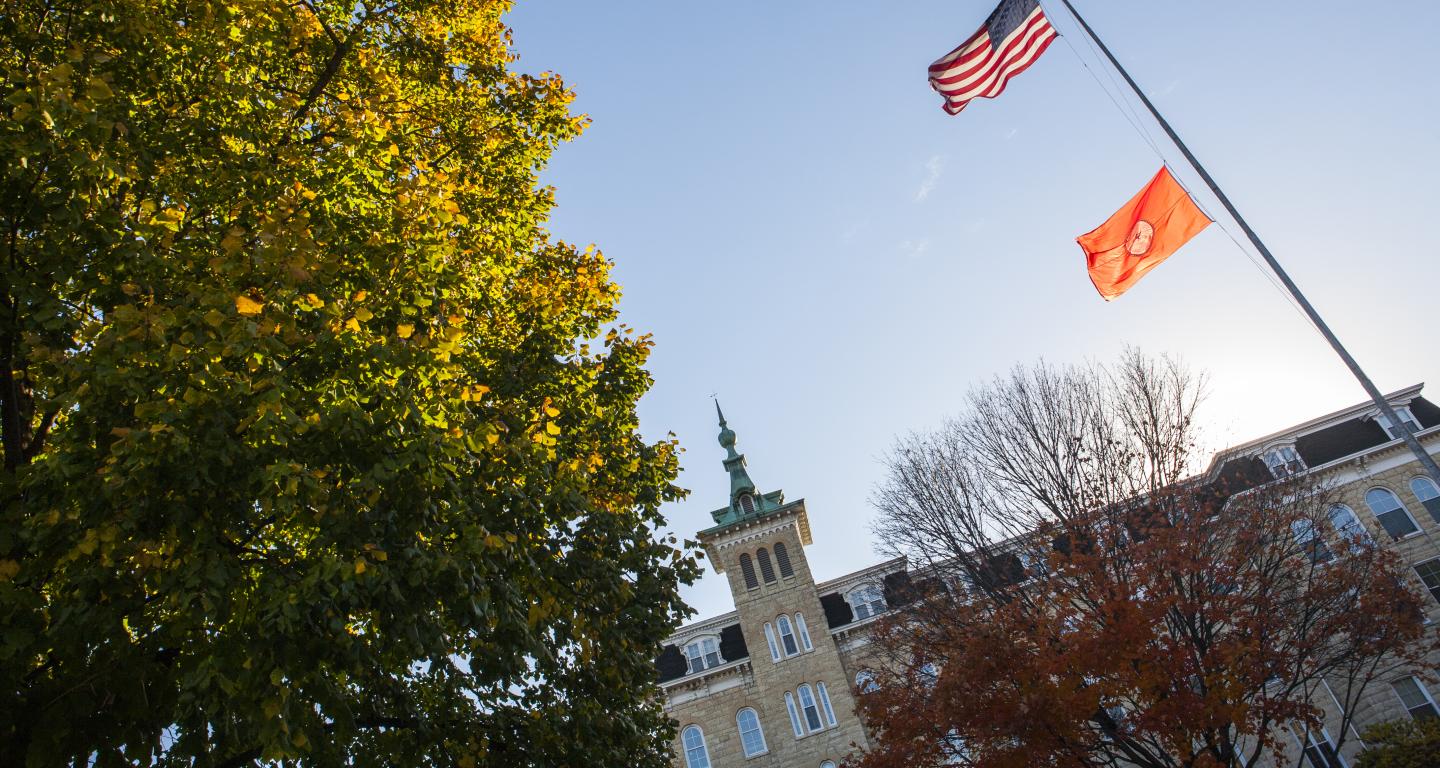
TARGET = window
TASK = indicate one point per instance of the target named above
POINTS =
(1390, 512)
(807, 703)
(866, 601)
(865, 681)
(747, 569)
(694, 741)
(782, 559)
(1406, 418)
(804, 632)
(703, 654)
(794, 715)
(1347, 526)
(787, 635)
(1416, 699)
(752, 739)
(1309, 540)
(770, 640)
(1283, 461)
(824, 695)
(747, 503)
(1424, 490)
(767, 571)
(828, 764)
(1429, 573)
(1319, 752)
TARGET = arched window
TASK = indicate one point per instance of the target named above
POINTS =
(747, 503)
(782, 559)
(752, 739)
(1422, 487)
(803, 631)
(865, 681)
(770, 640)
(1347, 526)
(747, 569)
(787, 635)
(808, 706)
(1390, 512)
(695, 755)
(824, 695)
(866, 601)
(794, 715)
(767, 571)
(828, 764)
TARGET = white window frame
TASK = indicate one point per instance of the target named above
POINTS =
(1415, 526)
(1405, 415)
(864, 599)
(758, 731)
(788, 644)
(1420, 481)
(1283, 460)
(1308, 740)
(808, 706)
(795, 724)
(705, 646)
(704, 752)
(803, 631)
(770, 641)
(1395, 686)
(1352, 532)
(824, 694)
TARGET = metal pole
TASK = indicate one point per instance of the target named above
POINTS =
(1399, 426)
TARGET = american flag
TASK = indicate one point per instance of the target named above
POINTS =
(1014, 36)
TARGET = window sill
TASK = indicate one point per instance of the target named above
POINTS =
(758, 754)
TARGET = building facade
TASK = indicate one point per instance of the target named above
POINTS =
(773, 683)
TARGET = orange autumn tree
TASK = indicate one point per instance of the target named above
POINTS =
(1091, 603)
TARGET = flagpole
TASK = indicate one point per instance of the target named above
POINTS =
(1409, 437)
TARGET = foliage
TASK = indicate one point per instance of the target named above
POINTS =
(1093, 605)
(305, 457)
(1401, 744)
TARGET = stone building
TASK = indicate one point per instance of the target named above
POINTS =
(773, 683)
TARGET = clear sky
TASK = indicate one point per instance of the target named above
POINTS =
(807, 234)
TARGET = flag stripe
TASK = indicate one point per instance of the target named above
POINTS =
(980, 68)
(984, 56)
(1001, 78)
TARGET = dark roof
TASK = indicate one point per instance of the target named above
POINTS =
(1339, 441)
(837, 611)
(732, 643)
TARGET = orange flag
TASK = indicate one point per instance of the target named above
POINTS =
(1143, 233)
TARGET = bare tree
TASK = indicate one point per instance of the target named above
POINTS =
(1087, 599)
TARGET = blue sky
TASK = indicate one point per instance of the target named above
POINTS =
(806, 233)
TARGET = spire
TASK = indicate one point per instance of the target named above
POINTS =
(740, 483)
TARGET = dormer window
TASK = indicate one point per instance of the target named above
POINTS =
(866, 601)
(1283, 461)
(1407, 418)
(702, 654)
(746, 503)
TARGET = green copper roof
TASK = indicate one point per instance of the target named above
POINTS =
(745, 501)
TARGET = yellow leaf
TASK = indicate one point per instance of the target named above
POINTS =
(359, 567)
(363, 315)
(360, 295)
(552, 428)
(494, 542)
(248, 306)
(492, 438)
(315, 300)
(98, 89)
(404, 330)
(352, 324)
(379, 554)
(552, 411)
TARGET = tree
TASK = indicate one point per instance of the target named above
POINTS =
(316, 446)
(1401, 744)
(1092, 603)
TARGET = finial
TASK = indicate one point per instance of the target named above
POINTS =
(727, 435)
